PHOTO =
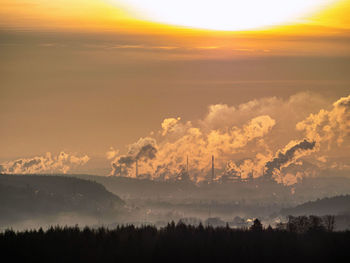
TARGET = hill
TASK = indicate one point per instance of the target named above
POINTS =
(30, 197)
(337, 205)
(142, 188)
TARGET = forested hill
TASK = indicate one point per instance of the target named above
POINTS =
(337, 205)
(25, 197)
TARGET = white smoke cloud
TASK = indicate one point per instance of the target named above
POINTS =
(259, 138)
(328, 126)
(111, 153)
(61, 163)
(170, 125)
(181, 139)
(271, 166)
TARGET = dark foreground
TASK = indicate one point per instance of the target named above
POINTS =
(174, 243)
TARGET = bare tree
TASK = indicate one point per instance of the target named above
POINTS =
(329, 222)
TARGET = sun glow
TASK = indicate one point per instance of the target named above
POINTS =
(224, 14)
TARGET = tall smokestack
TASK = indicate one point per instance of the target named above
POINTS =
(137, 169)
(212, 169)
(187, 165)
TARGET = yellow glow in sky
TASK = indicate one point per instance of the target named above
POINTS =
(224, 14)
(141, 16)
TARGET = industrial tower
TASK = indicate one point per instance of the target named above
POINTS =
(212, 169)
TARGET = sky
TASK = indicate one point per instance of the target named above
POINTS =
(85, 83)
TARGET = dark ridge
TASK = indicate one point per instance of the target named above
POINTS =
(337, 205)
(33, 196)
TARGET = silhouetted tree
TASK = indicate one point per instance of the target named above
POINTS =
(303, 224)
(257, 226)
(329, 222)
(175, 243)
(269, 229)
(316, 224)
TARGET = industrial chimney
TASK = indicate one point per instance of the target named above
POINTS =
(136, 169)
(212, 169)
(187, 165)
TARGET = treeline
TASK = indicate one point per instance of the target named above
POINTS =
(303, 224)
(175, 243)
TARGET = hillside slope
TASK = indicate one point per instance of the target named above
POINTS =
(29, 197)
(255, 190)
(337, 205)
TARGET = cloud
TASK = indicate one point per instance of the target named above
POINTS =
(143, 47)
(61, 163)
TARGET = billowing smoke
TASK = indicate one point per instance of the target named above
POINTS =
(143, 150)
(286, 158)
(111, 153)
(283, 159)
(271, 166)
(321, 131)
(329, 126)
(247, 141)
(179, 140)
(61, 163)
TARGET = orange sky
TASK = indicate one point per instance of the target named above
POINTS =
(83, 76)
(101, 16)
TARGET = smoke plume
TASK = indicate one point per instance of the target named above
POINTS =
(144, 149)
(261, 137)
(283, 159)
(286, 158)
(328, 126)
(177, 140)
(61, 163)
